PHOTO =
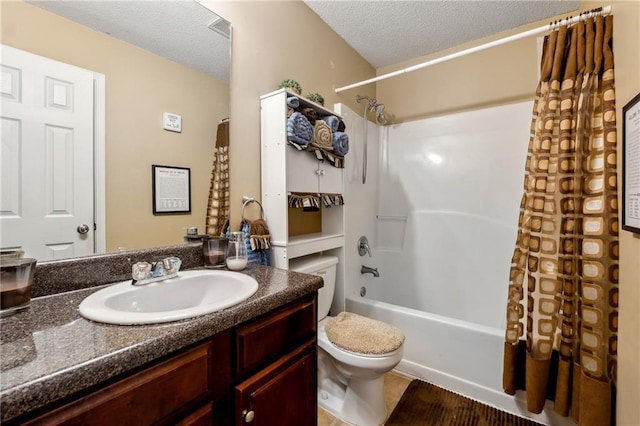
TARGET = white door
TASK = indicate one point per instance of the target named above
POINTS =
(46, 198)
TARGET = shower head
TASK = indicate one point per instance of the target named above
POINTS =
(374, 106)
(381, 117)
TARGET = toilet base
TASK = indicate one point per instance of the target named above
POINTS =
(361, 403)
(364, 402)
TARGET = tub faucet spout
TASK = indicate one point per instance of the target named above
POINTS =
(368, 270)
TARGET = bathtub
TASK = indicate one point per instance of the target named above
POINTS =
(457, 355)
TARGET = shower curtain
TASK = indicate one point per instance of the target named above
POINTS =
(562, 309)
(219, 198)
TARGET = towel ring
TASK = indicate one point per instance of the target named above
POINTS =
(248, 200)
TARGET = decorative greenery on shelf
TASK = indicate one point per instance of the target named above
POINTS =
(292, 85)
(315, 97)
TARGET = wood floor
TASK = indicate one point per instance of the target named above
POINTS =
(394, 387)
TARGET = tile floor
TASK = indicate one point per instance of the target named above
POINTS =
(394, 386)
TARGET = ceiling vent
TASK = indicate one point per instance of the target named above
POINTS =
(221, 26)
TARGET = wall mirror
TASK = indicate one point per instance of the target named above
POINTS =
(149, 58)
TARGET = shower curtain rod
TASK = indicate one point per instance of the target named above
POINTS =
(595, 12)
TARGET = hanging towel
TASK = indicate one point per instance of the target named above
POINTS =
(259, 234)
(330, 156)
(340, 143)
(255, 256)
(332, 121)
(322, 135)
(332, 200)
(307, 201)
(219, 198)
(299, 130)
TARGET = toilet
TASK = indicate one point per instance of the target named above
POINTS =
(350, 371)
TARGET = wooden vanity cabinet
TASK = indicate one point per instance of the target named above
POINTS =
(161, 394)
(276, 363)
(266, 367)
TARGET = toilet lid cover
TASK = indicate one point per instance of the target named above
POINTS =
(359, 334)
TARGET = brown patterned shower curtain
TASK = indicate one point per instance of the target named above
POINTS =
(219, 198)
(563, 284)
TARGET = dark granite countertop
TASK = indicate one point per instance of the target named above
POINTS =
(49, 351)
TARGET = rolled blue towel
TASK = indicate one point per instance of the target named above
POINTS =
(293, 102)
(299, 129)
(332, 121)
(340, 143)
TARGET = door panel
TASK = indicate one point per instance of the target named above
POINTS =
(46, 156)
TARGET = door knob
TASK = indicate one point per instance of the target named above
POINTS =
(248, 416)
(83, 229)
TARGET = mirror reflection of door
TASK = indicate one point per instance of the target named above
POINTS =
(47, 158)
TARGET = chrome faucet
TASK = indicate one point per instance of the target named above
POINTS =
(145, 272)
(367, 270)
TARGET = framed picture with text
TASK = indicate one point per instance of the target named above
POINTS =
(171, 189)
(631, 165)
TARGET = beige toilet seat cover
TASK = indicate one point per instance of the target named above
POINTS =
(359, 334)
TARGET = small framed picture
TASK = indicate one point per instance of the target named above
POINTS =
(631, 165)
(171, 189)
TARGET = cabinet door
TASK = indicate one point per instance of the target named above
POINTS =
(150, 396)
(201, 417)
(330, 179)
(282, 394)
(302, 171)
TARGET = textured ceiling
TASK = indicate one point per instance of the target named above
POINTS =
(177, 29)
(389, 32)
(384, 32)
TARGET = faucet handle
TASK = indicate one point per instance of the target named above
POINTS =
(172, 264)
(363, 246)
(141, 271)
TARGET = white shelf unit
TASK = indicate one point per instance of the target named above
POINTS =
(284, 170)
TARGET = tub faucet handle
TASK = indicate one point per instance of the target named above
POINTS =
(363, 246)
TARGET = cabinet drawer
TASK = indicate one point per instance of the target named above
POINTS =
(268, 338)
(144, 398)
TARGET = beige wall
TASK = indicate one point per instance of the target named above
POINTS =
(506, 74)
(273, 41)
(140, 86)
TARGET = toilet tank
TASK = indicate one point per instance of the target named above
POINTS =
(324, 267)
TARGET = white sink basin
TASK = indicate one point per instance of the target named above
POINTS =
(190, 294)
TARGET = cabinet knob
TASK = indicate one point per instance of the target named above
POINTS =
(248, 416)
